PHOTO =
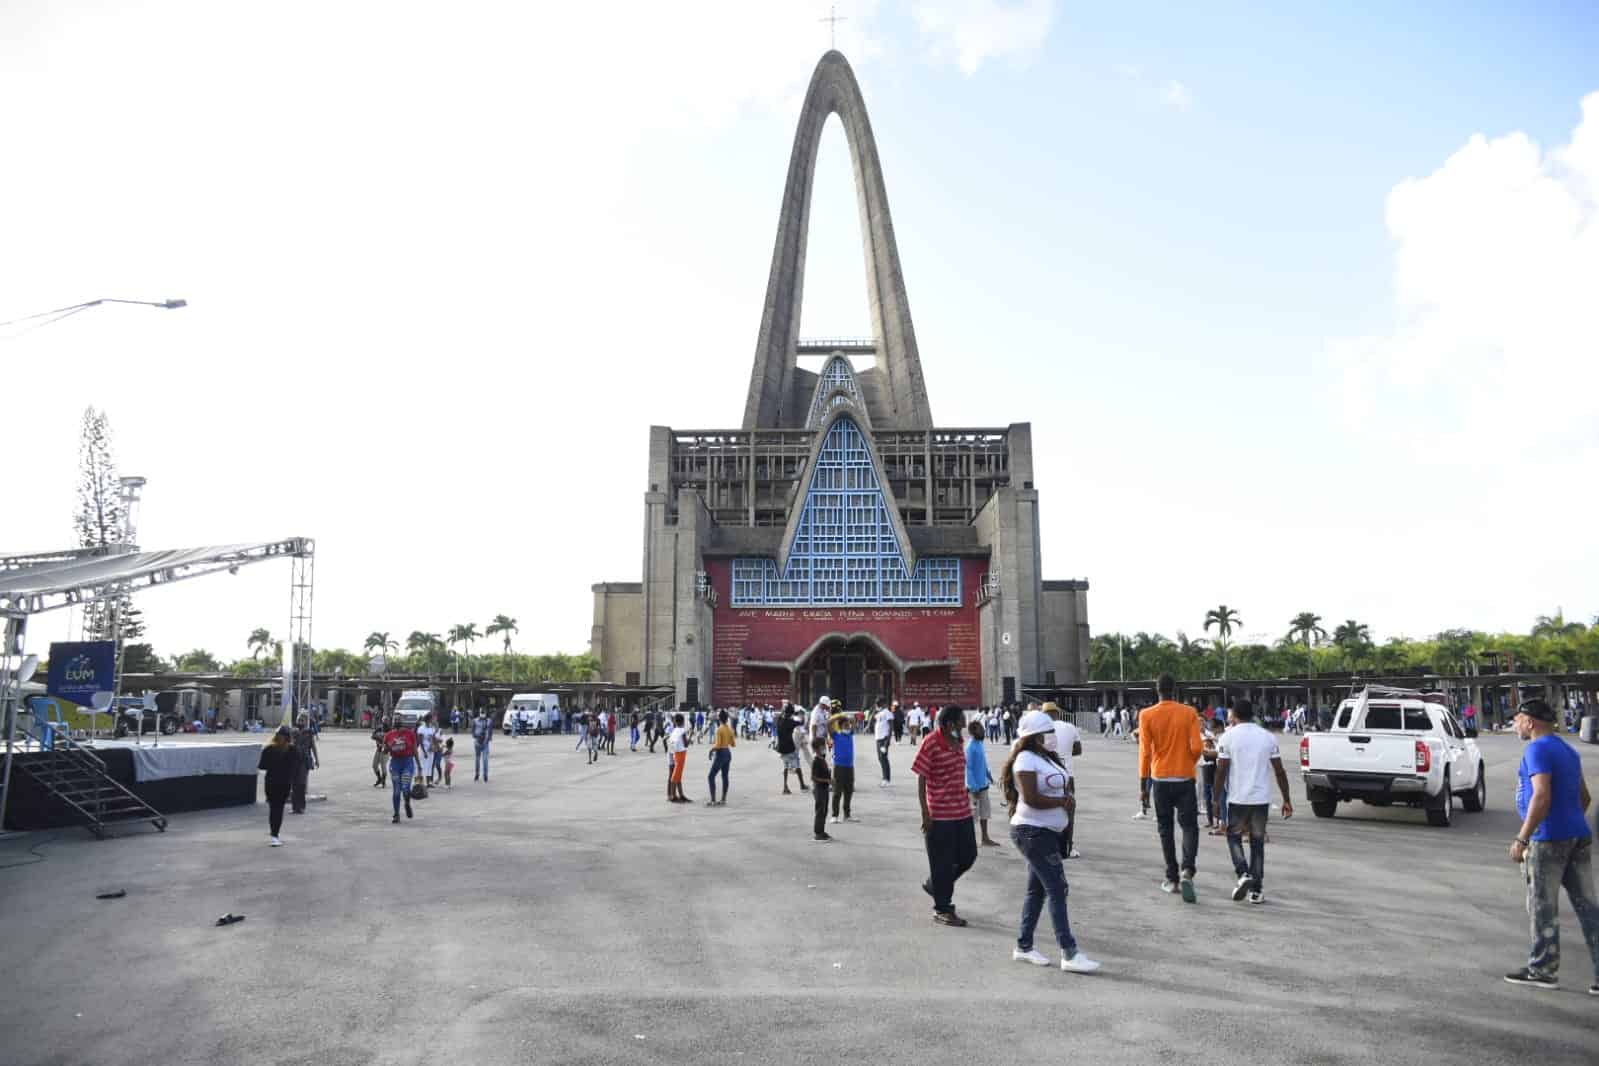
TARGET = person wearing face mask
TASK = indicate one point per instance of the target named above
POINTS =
(950, 835)
(1034, 780)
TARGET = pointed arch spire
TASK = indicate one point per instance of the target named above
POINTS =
(834, 91)
(836, 385)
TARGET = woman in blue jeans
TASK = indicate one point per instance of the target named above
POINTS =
(1034, 780)
(721, 757)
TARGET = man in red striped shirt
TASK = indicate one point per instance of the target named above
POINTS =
(940, 770)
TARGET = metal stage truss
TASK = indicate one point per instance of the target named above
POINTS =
(67, 579)
(302, 573)
(35, 583)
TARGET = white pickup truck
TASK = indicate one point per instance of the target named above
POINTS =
(1391, 746)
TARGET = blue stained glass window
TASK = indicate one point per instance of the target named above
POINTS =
(845, 548)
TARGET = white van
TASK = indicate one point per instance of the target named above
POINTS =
(533, 710)
(416, 704)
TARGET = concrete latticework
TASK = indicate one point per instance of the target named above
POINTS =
(839, 543)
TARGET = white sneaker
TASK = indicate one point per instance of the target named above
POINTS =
(1074, 854)
(884, 784)
(1258, 896)
(1241, 889)
(1168, 887)
(1032, 955)
(834, 819)
(276, 843)
(1079, 963)
(1140, 816)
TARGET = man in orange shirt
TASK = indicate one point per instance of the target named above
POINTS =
(1169, 745)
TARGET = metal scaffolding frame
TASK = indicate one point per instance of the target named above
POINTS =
(74, 579)
(35, 583)
(302, 575)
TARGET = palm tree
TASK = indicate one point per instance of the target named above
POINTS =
(383, 644)
(464, 635)
(1307, 627)
(424, 644)
(1224, 618)
(1354, 638)
(1453, 649)
(1555, 625)
(504, 626)
(198, 661)
(260, 640)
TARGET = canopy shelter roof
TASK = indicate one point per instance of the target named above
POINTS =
(31, 584)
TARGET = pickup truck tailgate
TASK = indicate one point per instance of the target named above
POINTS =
(1362, 762)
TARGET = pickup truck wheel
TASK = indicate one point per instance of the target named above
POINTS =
(1324, 808)
(1441, 811)
(1477, 798)
(169, 726)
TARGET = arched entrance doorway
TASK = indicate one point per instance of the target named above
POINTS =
(854, 672)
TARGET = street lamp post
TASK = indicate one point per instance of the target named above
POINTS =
(50, 317)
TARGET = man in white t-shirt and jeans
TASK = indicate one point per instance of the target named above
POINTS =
(1246, 759)
(883, 733)
(1068, 742)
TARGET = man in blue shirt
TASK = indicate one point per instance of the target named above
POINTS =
(1554, 846)
(978, 778)
(842, 728)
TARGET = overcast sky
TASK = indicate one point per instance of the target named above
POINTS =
(1301, 302)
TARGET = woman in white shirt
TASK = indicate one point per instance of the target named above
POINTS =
(1034, 780)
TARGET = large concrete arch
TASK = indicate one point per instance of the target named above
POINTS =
(771, 402)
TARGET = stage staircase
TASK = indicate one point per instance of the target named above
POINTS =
(77, 777)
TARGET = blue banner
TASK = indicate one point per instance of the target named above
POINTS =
(79, 670)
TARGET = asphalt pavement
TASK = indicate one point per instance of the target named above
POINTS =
(565, 913)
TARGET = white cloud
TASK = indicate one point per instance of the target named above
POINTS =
(1496, 288)
(1480, 405)
(1178, 95)
(971, 31)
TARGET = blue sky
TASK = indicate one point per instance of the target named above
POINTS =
(425, 247)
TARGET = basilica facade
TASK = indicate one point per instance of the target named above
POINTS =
(839, 542)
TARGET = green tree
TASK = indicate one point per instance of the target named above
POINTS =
(142, 659)
(464, 635)
(1306, 627)
(198, 661)
(100, 522)
(1225, 619)
(426, 650)
(1555, 625)
(505, 626)
(1454, 650)
(1354, 640)
(381, 643)
(338, 660)
(260, 641)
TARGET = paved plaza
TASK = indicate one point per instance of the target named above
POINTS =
(567, 914)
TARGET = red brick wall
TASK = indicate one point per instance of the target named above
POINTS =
(779, 634)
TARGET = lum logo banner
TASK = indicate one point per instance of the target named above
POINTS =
(80, 669)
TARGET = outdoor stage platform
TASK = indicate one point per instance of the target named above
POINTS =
(171, 777)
